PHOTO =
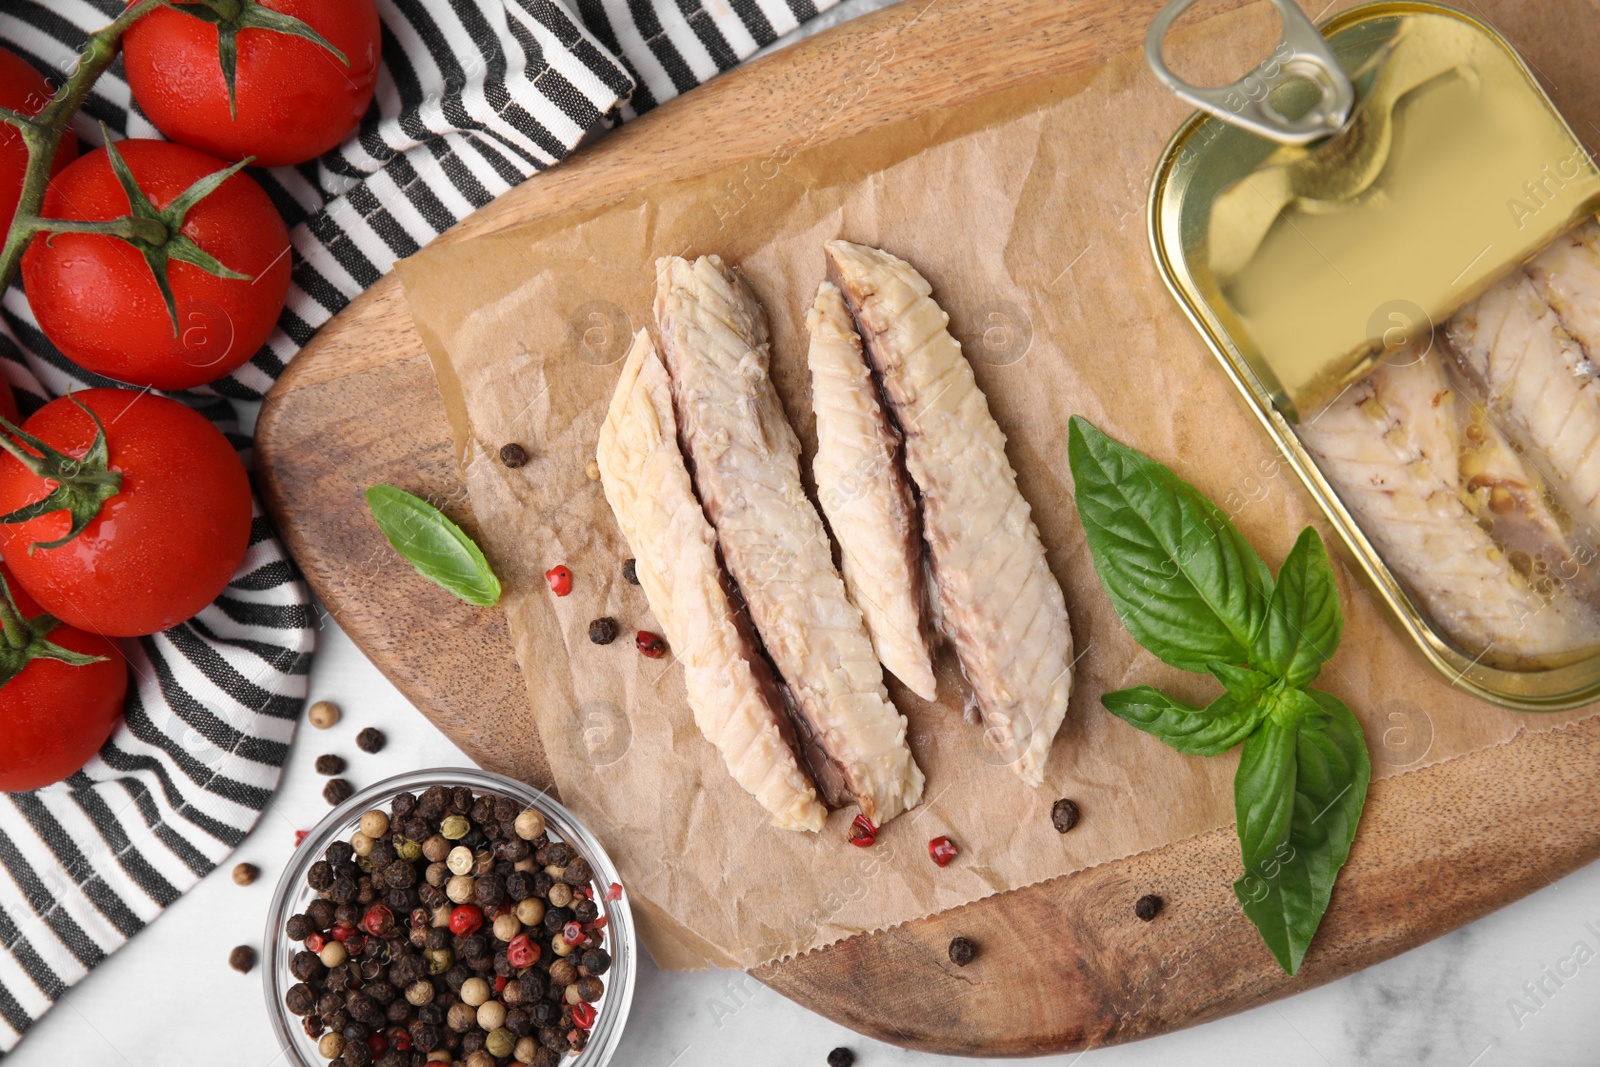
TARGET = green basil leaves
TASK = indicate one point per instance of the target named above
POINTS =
(435, 546)
(1193, 592)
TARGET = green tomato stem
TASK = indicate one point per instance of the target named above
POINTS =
(42, 133)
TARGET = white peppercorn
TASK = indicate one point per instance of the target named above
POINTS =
(559, 946)
(375, 823)
(561, 894)
(529, 825)
(491, 1016)
(419, 993)
(526, 1050)
(360, 844)
(462, 1017)
(459, 860)
(527, 864)
(436, 848)
(333, 954)
(507, 926)
(324, 713)
(530, 912)
(474, 991)
(460, 888)
(331, 1045)
(439, 1055)
(571, 994)
(441, 916)
(480, 1058)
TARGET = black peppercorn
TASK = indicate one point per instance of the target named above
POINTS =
(355, 1033)
(330, 765)
(556, 918)
(329, 1003)
(482, 810)
(513, 455)
(459, 801)
(300, 999)
(1148, 906)
(1064, 815)
(403, 804)
(416, 829)
(489, 891)
(513, 848)
(518, 1022)
(425, 1036)
(365, 894)
(438, 937)
(357, 1054)
(595, 961)
(297, 927)
(577, 1040)
(340, 854)
(603, 631)
(962, 951)
(382, 853)
(552, 1038)
(343, 890)
(545, 1013)
(563, 972)
(337, 791)
(472, 1041)
(381, 991)
(346, 912)
(398, 1011)
(313, 1026)
(558, 854)
(532, 988)
(542, 883)
(400, 875)
(430, 805)
(841, 1057)
(577, 872)
(585, 910)
(320, 912)
(519, 886)
(370, 740)
(242, 959)
(320, 876)
(306, 966)
(630, 571)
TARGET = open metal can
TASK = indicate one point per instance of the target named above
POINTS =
(1384, 234)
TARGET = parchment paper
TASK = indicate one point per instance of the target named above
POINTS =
(1026, 212)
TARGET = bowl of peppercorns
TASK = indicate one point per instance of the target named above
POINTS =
(449, 916)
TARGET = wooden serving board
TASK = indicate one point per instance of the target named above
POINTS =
(1069, 966)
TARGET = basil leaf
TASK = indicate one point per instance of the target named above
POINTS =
(1242, 683)
(1186, 584)
(435, 546)
(1208, 731)
(1299, 791)
(1303, 623)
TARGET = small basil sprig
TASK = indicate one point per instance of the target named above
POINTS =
(435, 546)
(1193, 592)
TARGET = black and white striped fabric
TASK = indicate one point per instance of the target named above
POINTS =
(475, 97)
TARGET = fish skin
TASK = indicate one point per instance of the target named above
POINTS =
(1392, 447)
(1534, 377)
(731, 690)
(866, 496)
(998, 601)
(746, 466)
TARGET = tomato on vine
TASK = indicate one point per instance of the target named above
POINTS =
(61, 693)
(281, 80)
(163, 266)
(23, 90)
(125, 513)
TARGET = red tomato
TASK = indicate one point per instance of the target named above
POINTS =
(296, 100)
(97, 298)
(159, 550)
(22, 89)
(55, 716)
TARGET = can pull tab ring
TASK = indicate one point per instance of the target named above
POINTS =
(1302, 54)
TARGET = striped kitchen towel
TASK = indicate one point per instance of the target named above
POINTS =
(475, 97)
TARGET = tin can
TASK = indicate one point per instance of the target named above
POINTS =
(1323, 218)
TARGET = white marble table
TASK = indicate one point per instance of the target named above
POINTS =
(1472, 999)
(169, 1000)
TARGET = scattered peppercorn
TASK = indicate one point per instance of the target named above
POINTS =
(863, 834)
(330, 765)
(942, 850)
(630, 571)
(513, 455)
(324, 713)
(592, 470)
(650, 644)
(559, 578)
(246, 874)
(242, 959)
(337, 791)
(1148, 906)
(603, 631)
(962, 951)
(1064, 815)
(841, 1057)
(370, 740)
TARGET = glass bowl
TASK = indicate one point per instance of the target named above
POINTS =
(293, 895)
